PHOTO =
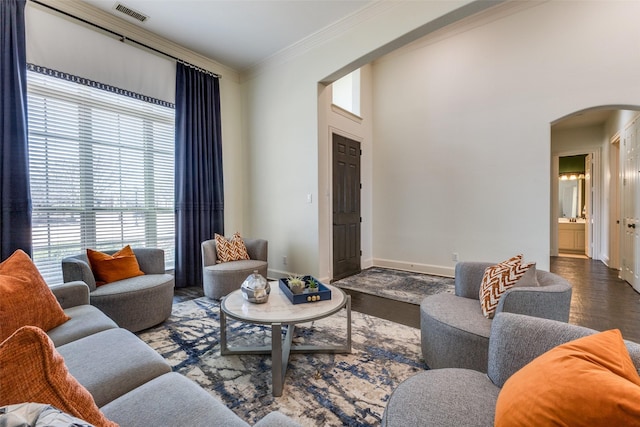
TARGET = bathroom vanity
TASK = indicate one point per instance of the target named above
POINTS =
(571, 236)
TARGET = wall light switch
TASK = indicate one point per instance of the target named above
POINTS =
(309, 198)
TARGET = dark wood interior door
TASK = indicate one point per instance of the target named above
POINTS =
(346, 207)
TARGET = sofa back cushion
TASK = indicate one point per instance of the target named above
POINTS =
(25, 298)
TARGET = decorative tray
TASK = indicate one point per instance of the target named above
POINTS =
(322, 294)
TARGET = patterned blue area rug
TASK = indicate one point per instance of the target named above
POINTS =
(396, 284)
(319, 389)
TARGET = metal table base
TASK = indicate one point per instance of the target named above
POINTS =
(280, 349)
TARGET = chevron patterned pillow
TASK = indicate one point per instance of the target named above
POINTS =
(497, 280)
(230, 249)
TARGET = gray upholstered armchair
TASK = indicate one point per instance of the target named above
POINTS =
(466, 397)
(455, 333)
(136, 303)
(218, 279)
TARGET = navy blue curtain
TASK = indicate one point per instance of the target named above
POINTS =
(199, 188)
(15, 196)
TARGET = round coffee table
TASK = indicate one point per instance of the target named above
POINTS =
(277, 312)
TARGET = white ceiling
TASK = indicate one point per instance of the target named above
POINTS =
(236, 33)
(587, 118)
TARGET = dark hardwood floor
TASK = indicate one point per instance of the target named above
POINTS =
(600, 299)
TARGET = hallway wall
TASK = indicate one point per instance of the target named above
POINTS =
(462, 128)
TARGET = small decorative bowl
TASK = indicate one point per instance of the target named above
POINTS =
(256, 288)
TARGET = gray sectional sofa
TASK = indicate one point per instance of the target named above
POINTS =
(130, 382)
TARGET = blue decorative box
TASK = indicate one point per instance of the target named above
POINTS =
(322, 294)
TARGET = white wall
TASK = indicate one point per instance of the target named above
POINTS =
(284, 139)
(462, 128)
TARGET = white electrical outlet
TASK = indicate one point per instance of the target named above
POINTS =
(454, 256)
(284, 260)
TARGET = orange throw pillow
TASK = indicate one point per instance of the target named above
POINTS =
(32, 370)
(232, 249)
(25, 298)
(111, 268)
(590, 381)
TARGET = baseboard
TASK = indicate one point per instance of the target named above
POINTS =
(415, 267)
(605, 260)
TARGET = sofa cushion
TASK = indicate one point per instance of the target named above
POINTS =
(232, 249)
(182, 403)
(85, 320)
(111, 363)
(25, 297)
(497, 279)
(31, 370)
(442, 397)
(111, 268)
(590, 381)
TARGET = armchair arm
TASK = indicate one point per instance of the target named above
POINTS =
(71, 294)
(257, 248)
(516, 340)
(150, 260)
(209, 254)
(549, 302)
(74, 269)
(468, 278)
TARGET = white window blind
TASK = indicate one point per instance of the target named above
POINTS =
(102, 172)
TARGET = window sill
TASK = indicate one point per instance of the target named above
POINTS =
(349, 115)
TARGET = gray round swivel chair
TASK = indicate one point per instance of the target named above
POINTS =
(455, 333)
(136, 303)
(220, 278)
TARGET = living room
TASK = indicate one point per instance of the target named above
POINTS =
(457, 103)
(445, 206)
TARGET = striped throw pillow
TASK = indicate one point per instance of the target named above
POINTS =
(497, 279)
(230, 249)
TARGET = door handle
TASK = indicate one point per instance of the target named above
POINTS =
(631, 225)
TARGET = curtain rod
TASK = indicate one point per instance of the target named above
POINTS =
(124, 39)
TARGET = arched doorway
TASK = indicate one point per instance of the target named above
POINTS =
(605, 136)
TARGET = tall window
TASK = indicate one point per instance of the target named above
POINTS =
(102, 170)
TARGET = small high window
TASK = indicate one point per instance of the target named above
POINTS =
(346, 92)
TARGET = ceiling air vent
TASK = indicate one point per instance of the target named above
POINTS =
(130, 12)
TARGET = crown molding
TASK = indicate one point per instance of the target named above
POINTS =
(131, 31)
(320, 37)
